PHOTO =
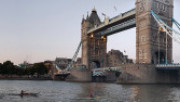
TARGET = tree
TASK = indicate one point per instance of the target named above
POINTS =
(8, 68)
(30, 70)
(19, 70)
(40, 68)
(0, 67)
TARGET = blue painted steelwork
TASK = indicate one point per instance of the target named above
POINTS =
(176, 23)
(69, 66)
(163, 24)
(74, 57)
(165, 27)
(168, 66)
(168, 29)
(119, 27)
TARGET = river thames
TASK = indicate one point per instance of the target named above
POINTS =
(59, 91)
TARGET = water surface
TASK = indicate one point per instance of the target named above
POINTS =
(59, 91)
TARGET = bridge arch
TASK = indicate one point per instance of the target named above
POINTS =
(95, 64)
(159, 57)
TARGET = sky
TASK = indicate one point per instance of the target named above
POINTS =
(39, 30)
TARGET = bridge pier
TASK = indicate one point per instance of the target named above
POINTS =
(147, 73)
(106, 77)
(99, 78)
(130, 74)
(80, 75)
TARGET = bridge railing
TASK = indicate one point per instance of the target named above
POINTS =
(128, 13)
(107, 69)
(102, 71)
(167, 65)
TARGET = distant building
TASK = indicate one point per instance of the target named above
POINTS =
(62, 62)
(116, 58)
(49, 65)
(79, 61)
(51, 69)
(25, 64)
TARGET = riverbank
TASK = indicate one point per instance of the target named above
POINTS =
(24, 77)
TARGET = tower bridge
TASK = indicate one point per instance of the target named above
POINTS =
(153, 22)
(149, 46)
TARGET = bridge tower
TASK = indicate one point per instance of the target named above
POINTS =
(93, 47)
(151, 46)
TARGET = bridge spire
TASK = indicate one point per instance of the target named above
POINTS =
(83, 19)
(93, 19)
(94, 10)
(87, 17)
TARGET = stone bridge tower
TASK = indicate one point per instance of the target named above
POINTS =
(150, 41)
(93, 47)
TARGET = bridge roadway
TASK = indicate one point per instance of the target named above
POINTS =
(119, 23)
(101, 71)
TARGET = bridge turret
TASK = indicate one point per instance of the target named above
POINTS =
(93, 48)
(93, 19)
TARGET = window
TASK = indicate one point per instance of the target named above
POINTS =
(142, 39)
(140, 52)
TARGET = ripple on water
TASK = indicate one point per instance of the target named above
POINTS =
(57, 91)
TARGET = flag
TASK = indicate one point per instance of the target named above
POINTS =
(103, 14)
(115, 8)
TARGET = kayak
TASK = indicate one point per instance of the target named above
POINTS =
(92, 99)
(29, 94)
(25, 94)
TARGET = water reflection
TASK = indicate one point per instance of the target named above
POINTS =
(155, 93)
(56, 91)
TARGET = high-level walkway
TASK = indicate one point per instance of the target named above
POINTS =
(119, 23)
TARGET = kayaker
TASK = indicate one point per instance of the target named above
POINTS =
(22, 93)
(91, 94)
